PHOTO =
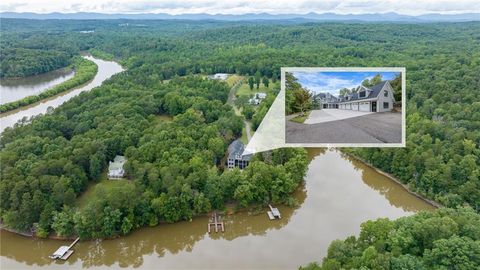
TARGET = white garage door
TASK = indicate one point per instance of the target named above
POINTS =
(365, 106)
(355, 106)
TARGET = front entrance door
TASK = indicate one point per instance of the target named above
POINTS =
(374, 106)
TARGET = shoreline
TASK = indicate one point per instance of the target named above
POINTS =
(227, 211)
(80, 69)
(396, 180)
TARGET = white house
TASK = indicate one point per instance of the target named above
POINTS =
(219, 76)
(115, 168)
(254, 101)
(261, 95)
(378, 98)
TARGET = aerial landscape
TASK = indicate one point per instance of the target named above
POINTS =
(124, 128)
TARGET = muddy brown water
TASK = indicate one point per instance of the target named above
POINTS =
(339, 194)
(18, 88)
(106, 69)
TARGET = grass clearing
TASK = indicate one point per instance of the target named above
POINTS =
(300, 119)
(161, 118)
(232, 79)
(91, 192)
(244, 90)
(244, 138)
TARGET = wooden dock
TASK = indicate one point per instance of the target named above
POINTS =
(273, 213)
(64, 252)
(216, 223)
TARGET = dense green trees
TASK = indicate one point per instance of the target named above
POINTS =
(172, 165)
(85, 71)
(445, 239)
(297, 98)
(22, 62)
(48, 163)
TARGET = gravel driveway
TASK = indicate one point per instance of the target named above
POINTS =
(370, 128)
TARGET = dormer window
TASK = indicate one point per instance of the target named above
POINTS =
(362, 94)
(385, 93)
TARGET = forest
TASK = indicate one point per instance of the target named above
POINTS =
(48, 163)
(445, 239)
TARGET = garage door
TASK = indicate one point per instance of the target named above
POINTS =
(365, 106)
(355, 106)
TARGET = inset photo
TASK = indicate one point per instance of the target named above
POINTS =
(344, 107)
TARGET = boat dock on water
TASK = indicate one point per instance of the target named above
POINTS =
(273, 213)
(216, 223)
(64, 252)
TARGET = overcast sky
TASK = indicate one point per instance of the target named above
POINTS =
(410, 7)
(332, 82)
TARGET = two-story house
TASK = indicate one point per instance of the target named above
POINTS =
(326, 100)
(378, 98)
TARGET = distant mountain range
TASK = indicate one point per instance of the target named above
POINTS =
(372, 17)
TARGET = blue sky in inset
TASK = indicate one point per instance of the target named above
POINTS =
(332, 82)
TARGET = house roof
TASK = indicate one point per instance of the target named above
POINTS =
(117, 163)
(374, 91)
(235, 150)
(324, 95)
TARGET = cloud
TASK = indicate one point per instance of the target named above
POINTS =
(410, 7)
(333, 82)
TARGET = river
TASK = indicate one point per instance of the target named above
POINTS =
(18, 88)
(105, 70)
(339, 194)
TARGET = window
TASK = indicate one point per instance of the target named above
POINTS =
(385, 105)
(362, 94)
(385, 93)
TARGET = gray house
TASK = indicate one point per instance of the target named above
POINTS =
(235, 158)
(326, 101)
(378, 98)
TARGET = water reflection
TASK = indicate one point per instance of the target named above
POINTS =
(339, 194)
(18, 88)
(106, 69)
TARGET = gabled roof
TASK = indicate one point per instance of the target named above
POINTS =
(322, 95)
(235, 150)
(374, 91)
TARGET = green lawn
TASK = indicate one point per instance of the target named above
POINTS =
(300, 119)
(244, 90)
(162, 118)
(232, 79)
(91, 192)
(244, 138)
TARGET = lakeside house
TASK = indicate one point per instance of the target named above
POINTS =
(115, 168)
(235, 158)
(378, 98)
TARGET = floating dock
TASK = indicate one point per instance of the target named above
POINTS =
(64, 252)
(273, 213)
(216, 223)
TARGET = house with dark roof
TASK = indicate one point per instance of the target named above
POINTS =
(378, 98)
(326, 100)
(235, 158)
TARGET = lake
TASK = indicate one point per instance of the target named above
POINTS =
(18, 88)
(338, 195)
